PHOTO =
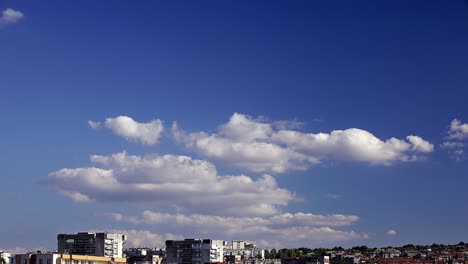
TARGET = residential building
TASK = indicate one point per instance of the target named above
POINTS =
(232, 259)
(324, 259)
(7, 257)
(144, 255)
(92, 244)
(247, 250)
(246, 253)
(54, 258)
(238, 244)
(194, 251)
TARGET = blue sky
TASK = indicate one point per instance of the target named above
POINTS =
(390, 69)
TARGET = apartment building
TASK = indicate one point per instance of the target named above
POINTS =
(194, 251)
(92, 244)
(144, 255)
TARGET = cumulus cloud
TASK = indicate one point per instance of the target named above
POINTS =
(124, 126)
(391, 232)
(419, 144)
(291, 229)
(145, 238)
(169, 181)
(257, 146)
(10, 16)
(458, 130)
(454, 141)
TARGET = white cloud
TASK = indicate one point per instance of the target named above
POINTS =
(243, 128)
(454, 142)
(93, 124)
(144, 238)
(391, 232)
(458, 130)
(419, 144)
(256, 156)
(76, 196)
(124, 126)
(174, 182)
(248, 143)
(10, 16)
(229, 222)
(291, 229)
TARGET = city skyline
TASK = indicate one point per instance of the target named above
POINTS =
(313, 124)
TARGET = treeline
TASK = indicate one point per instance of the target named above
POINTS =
(297, 252)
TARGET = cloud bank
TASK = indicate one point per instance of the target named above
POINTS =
(283, 229)
(245, 207)
(259, 147)
(173, 182)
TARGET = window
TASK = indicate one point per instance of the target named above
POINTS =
(48, 261)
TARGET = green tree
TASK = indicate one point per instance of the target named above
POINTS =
(2, 260)
(304, 250)
(273, 253)
(320, 251)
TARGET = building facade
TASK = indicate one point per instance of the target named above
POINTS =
(144, 255)
(238, 244)
(194, 251)
(92, 244)
(53, 258)
(7, 257)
